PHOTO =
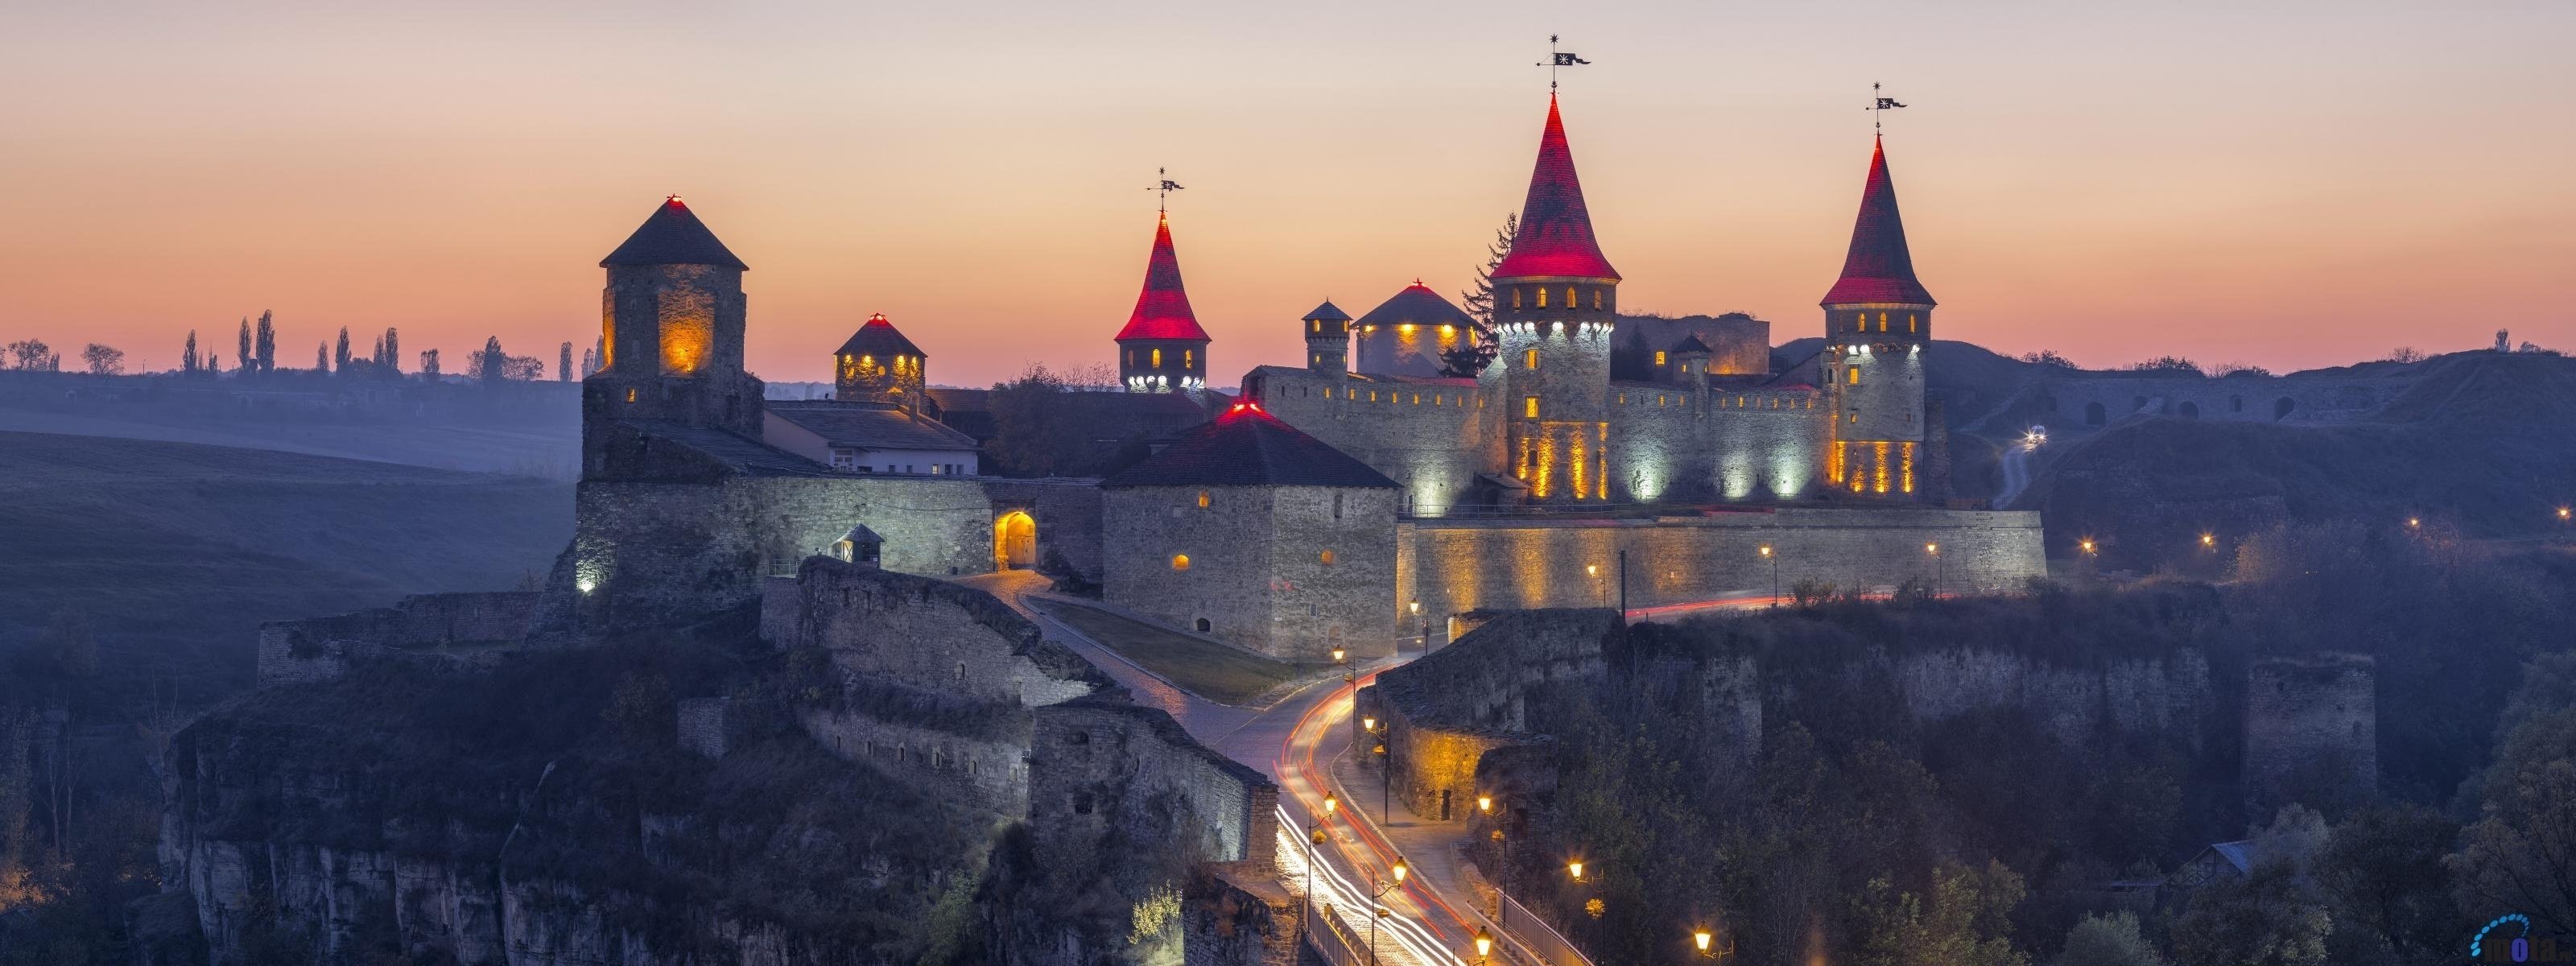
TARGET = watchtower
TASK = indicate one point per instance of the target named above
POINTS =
(1162, 348)
(671, 320)
(1556, 299)
(1328, 340)
(879, 365)
(1877, 320)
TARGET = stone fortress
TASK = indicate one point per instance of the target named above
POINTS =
(1377, 506)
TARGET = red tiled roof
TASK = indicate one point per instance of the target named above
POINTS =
(1246, 446)
(1879, 268)
(1163, 309)
(1555, 237)
(673, 235)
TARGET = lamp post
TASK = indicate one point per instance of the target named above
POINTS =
(1704, 940)
(1774, 560)
(1426, 626)
(1484, 945)
(1378, 892)
(1314, 837)
(1574, 867)
(1938, 566)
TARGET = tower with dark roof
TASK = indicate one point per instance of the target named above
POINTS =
(1685, 364)
(671, 320)
(1407, 334)
(1328, 340)
(1556, 300)
(879, 365)
(1162, 348)
(1877, 319)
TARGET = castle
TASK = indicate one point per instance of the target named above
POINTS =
(1324, 508)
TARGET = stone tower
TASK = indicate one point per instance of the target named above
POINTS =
(1328, 340)
(1555, 301)
(2311, 733)
(1877, 319)
(1408, 334)
(1162, 348)
(879, 365)
(671, 319)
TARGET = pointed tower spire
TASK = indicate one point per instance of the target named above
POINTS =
(1879, 270)
(1163, 308)
(1555, 238)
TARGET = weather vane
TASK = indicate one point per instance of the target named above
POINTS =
(1163, 189)
(1879, 102)
(1558, 58)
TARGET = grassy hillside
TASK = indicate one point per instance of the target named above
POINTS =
(2484, 444)
(175, 552)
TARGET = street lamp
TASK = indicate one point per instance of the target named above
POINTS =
(1426, 626)
(1775, 573)
(1314, 837)
(1330, 803)
(1385, 786)
(2414, 522)
(1575, 868)
(2563, 512)
(2209, 541)
(1485, 803)
(1706, 940)
(1378, 891)
(1484, 944)
(2085, 545)
(1339, 654)
(1938, 566)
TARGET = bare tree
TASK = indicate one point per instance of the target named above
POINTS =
(429, 364)
(103, 360)
(33, 355)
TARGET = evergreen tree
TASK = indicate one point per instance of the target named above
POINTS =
(1471, 356)
(267, 350)
(391, 357)
(488, 363)
(340, 355)
(188, 356)
(322, 357)
(563, 364)
(242, 358)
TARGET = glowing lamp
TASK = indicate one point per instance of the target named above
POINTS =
(1417, 605)
(1399, 870)
(1576, 869)
(1406, 328)
(1330, 803)
(2562, 513)
(1701, 937)
(1592, 570)
(1337, 655)
(586, 586)
(1484, 943)
(2086, 546)
(1932, 548)
(1368, 725)
(2209, 540)
(2414, 521)
(1318, 836)
(1379, 750)
(1766, 550)
(1484, 803)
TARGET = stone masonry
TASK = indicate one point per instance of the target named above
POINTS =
(2311, 732)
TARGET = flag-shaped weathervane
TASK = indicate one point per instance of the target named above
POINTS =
(1880, 102)
(1163, 188)
(1558, 58)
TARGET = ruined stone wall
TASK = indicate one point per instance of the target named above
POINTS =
(319, 648)
(1431, 437)
(1502, 564)
(1104, 772)
(986, 771)
(2078, 705)
(2311, 732)
(1238, 915)
(1257, 569)
(934, 637)
(651, 552)
(1440, 715)
(2068, 400)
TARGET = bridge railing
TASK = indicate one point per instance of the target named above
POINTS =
(1534, 932)
(1330, 938)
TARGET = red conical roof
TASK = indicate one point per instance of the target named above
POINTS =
(1163, 309)
(1879, 268)
(1555, 237)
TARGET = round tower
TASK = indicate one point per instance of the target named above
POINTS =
(1328, 340)
(1410, 333)
(671, 319)
(879, 365)
(1162, 348)
(1555, 301)
(1877, 319)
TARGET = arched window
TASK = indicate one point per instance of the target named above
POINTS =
(1882, 321)
(1542, 296)
(1596, 300)
(1203, 625)
(1851, 376)
(1317, 323)
(1158, 358)
(1569, 297)
(1180, 561)
(1516, 298)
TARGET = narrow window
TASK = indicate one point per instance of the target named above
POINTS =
(1317, 323)
(1910, 325)
(1529, 358)
(630, 395)
(1529, 407)
(1203, 499)
(1337, 510)
(1882, 321)
(1516, 298)
(1542, 296)
(1851, 376)
(1659, 357)
(1180, 561)
(961, 671)
(1570, 301)
(1158, 358)
(1187, 357)
(1596, 300)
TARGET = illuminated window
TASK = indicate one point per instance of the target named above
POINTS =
(1417, 399)
(1882, 321)
(1516, 298)
(1187, 355)
(1659, 357)
(1661, 400)
(1203, 499)
(1158, 358)
(1910, 325)
(630, 395)
(1851, 376)
(1326, 557)
(1596, 300)
(1542, 296)
(1529, 358)
(1317, 323)
(1569, 297)
(1319, 360)
(1180, 561)
(1529, 407)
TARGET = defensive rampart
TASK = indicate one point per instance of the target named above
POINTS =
(449, 626)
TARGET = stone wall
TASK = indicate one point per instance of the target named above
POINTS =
(2311, 732)
(1104, 771)
(657, 552)
(1455, 566)
(1442, 714)
(1258, 570)
(1238, 915)
(2071, 401)
(1431, 436)
(934, 637)
(981, 770)
(319, 648)
(1735, 446)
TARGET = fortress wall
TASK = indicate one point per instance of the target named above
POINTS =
(1506, 564)
(318, 648)
(1312, 603)
(1432, 438)
(935, 637)
(2065, 400)
(984, 772)
(1442, 714)
(1256, 572)
(1102, 773)
(2078, 705)
(677, 551)
(2311, 732)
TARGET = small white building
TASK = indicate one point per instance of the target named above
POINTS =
(862, 437)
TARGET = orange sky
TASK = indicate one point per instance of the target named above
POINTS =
(2305, 185)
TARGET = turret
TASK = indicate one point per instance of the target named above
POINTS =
(1685, 364)
(671, 320)
(1555, 299)
(1409, 333)
(879, 365)
(1877, 319)
(1328, 340)
(1162, 348)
